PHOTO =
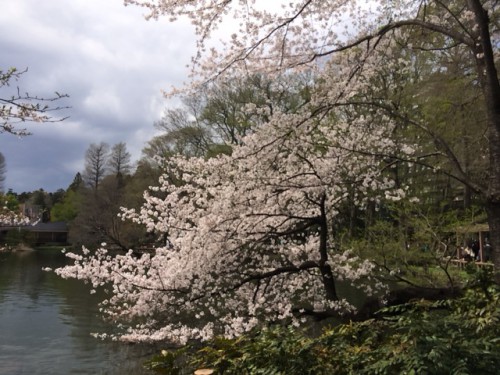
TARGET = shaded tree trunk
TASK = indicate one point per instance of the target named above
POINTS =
(491, 88)
(324, 267)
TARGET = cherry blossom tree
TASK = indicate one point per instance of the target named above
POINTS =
(248, 237)
(300, 34)
(19, 107)
(16, 108)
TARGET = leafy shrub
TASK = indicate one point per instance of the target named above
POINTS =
(460, 336)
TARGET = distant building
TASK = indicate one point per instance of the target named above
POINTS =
(50, 233)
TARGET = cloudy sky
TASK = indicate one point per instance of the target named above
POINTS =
(110, 61)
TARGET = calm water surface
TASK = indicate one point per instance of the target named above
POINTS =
(45, 323)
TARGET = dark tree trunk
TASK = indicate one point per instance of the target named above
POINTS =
(324, 267)
(491, 88)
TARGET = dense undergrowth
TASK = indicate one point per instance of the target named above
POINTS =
(451, 336)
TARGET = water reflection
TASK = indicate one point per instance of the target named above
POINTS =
(45, 323)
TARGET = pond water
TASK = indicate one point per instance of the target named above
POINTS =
(46, 323)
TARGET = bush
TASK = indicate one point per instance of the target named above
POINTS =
(460, 336)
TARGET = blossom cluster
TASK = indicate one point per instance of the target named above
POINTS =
(10, 218)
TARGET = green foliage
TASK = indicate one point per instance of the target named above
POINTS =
(460, 336)
(414, 243)
(40, 198)
(167, 362)
(218, 149)
(9, 201)
(68, 208)
(273, 351)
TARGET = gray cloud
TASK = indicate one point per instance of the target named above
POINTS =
(111, 62)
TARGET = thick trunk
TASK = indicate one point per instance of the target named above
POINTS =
(491, 88)
(493, 196)
(324, 267)
(493, 210)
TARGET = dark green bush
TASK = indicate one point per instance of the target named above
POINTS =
(456, 336)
